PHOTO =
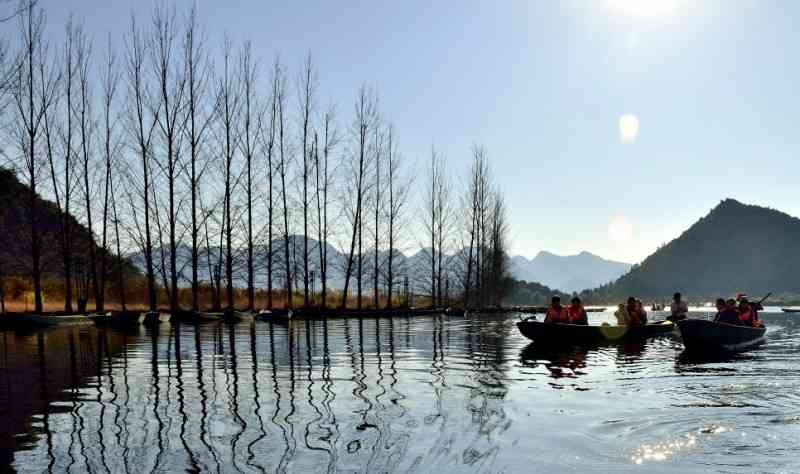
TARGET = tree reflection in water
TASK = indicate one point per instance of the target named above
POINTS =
(361, 394)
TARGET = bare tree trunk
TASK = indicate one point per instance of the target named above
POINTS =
(365, 111)
(120, 266)
(196, 70)
(229, 109)
(171, 86)
(276, 84)
(306, 103)
(143, 127)
(376, 266)
(110, 82)
(249, 74)
(282, 161)
(86, 124)
(322, 208)
(31, 104)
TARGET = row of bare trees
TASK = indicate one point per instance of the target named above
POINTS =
(211, 171)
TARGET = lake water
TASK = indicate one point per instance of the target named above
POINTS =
(420, 394)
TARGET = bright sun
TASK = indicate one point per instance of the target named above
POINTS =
(644, 8)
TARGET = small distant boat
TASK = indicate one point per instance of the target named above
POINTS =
(702, 336)
(596, 310)
(578, 334)
(790, 310)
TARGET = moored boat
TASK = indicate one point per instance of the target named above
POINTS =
(579, 334)
(704, 336)
(790, 310)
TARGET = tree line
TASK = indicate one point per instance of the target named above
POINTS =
(167, 143)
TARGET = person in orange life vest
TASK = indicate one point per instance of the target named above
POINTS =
(748, 315)
(636, 313)
(577, 315)
(556, 313)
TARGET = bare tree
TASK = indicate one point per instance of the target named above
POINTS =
(306, 89)
(330, 140)
(378, 146)
(171, 82)
(252, 114)
(142, 122)
(364, 120)
(432, 220)
(59, 130)
(110, 81)
(197, 70)
(87, 127)
(397, 188)
(280, 98)
(472, 205)
(229, 100)
(32, 99)
(268, 143)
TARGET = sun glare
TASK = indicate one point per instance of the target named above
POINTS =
(644, 8)
(628, 128)
(620, 229)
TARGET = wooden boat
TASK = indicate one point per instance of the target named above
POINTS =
(29, 320)
(790, 310)
(577, 334)
(118, 318)
(702, 336)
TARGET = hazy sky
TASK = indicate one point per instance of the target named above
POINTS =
(544, 84)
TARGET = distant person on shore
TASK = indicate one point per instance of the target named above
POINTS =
(577, 314)
(556, 313)
(726, 312)
(679, 309)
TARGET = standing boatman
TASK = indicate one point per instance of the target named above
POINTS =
(679, 309)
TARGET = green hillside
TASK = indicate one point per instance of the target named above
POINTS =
(736, 247)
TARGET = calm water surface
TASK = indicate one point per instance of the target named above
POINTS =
(420, 394)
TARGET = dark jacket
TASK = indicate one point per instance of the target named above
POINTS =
(728, 316)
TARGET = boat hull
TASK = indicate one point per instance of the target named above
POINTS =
(577, 334)
(701, 336)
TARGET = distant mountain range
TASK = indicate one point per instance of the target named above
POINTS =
(736, 247)
(567, 273)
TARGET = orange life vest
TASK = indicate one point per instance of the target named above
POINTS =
(575, 314)
(556, 316)
(749, 317)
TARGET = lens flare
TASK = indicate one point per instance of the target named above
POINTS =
(628, 128)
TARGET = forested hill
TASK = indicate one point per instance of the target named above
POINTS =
(736, 247)
(15, 247)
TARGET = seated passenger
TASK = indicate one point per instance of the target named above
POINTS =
(623, 318)
(577, 315)
(637, 317)
(556, 313)
(679, 309)
(726, 312)
(642, 312)
(748, 315)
